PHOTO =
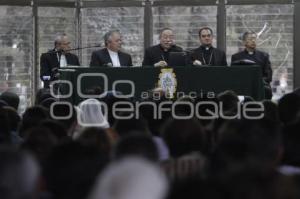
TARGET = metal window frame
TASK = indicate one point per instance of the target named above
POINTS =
(16, 3)
(296, 67)
(148, 20)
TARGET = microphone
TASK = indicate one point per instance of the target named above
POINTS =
(72, 49)
(85, 47)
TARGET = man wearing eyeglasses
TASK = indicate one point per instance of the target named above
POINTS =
(251, 56)
(206, 54)
(56, 58)
(158, 55)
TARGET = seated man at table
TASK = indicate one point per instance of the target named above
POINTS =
(111, 55)
(250, 55)
(56, 58)
(206, 54)
(158, 55)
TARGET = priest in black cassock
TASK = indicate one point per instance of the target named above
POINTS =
(206, 54)
(250, 55)
(158, 55)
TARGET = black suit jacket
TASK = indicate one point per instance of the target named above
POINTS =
(49, 63)
(155, 54)
(102, 58)
(218, 56)
(260, 58)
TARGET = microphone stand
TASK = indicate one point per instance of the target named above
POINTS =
(56, 69)
(73, 49)
(80, 48)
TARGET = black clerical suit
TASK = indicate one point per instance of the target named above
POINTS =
(102, 58)
(156, 53)
(259, 58)
(209, 56)
(49, 63)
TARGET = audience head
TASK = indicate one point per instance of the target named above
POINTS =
(66, 115)
(125, 127)
(131, 178)
(11, 99)
(110, 99)
(271, 111)
(249, 183)
(291, 141)
(41, 95)
(3, 103)
(96, 137)
(229, 101)
(136, 144)
(32, 117)
(195, 187)
(71, 170)
(40, 141)
(297, 91)
(57, 128)
(19, 174)
(255, 143)
(48, 102)
(184, 136)
(90, 114)
(5, 137)
(288, 107)
(13, 117)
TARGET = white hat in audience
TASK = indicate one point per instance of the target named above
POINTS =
(131, 178)
(89, 114)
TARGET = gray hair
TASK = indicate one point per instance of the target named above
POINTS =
(108, 35)
(58, 38)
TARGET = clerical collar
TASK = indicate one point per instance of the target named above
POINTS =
(249, 52)
(206, 48)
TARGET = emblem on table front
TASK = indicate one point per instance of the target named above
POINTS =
(168, 82)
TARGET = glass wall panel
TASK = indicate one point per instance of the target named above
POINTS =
(129, 21)
(274, 25)
(185, 21)
(16, 38)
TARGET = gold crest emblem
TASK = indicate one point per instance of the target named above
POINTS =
(168, 82)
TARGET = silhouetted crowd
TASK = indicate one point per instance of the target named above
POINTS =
(54, 151)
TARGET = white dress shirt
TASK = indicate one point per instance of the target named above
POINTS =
(62, 60)
(114, 58)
